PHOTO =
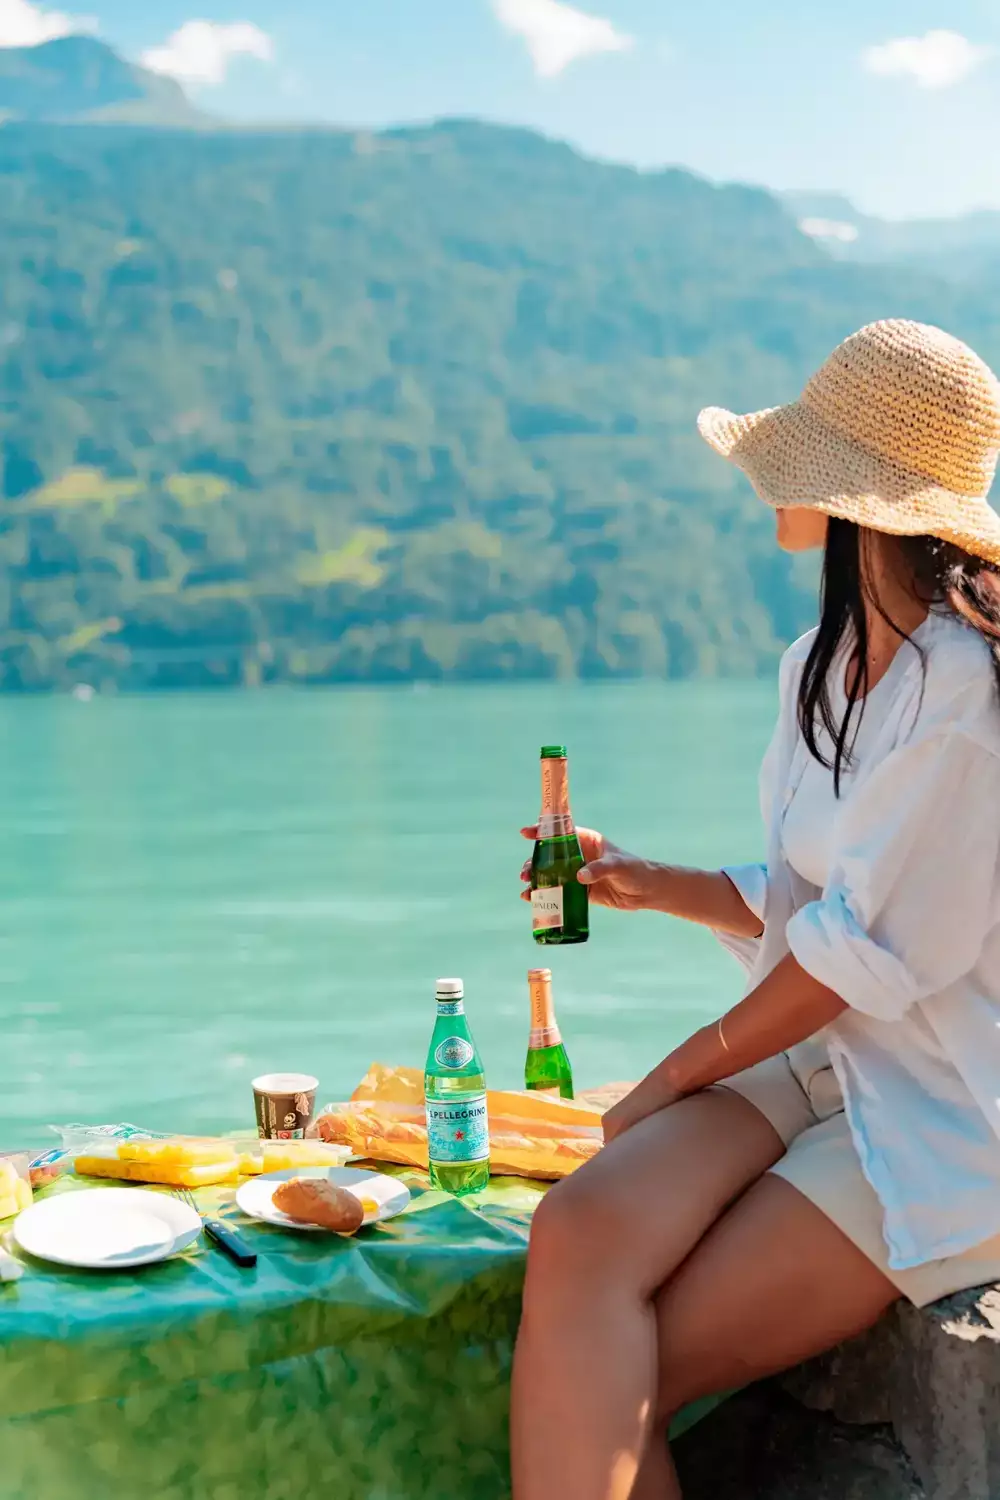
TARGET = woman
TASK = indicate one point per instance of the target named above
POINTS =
(833, 1142)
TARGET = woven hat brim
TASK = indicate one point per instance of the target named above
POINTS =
(792, 457)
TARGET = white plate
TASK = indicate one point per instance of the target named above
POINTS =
(254, 1197)
(106, 1229)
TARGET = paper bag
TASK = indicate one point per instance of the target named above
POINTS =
(531, 1135)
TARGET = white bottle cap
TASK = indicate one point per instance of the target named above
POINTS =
(450, 989)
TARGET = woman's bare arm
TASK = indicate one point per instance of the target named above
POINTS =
(705, 896)
(626, 882)
(786, 1007)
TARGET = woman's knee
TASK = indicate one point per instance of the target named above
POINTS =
(570, 1234)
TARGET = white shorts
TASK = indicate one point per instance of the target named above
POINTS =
(806, 1108)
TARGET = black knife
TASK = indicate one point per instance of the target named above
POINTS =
(231, 1241)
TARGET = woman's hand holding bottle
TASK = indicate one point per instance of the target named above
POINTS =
(614, 877)
(626, 882)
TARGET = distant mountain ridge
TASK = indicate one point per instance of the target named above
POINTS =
(79, 79)
(956, 248)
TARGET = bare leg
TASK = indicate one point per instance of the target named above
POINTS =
(657, 1477)
(773, 1283)
(603, 1242)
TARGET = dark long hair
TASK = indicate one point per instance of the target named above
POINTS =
(941, 576)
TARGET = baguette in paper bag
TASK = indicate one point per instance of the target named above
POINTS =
(531, 1135)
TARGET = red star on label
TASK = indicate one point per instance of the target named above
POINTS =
(460, 1135)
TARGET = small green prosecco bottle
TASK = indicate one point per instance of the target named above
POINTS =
(560, 907)
(458, 1133)
(546, 1067)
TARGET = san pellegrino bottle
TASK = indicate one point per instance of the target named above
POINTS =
(458, 1135)
(560, 907)
(546, 1067)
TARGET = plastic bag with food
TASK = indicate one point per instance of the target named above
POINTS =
(178, 1161)
(15, 1183)
(128, 1153)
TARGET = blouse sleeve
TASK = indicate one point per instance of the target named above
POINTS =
(911, 894)
(751, 880)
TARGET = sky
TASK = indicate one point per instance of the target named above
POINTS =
(895, 103)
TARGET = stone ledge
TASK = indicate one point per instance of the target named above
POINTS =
(762, 1445)
(932, 1375)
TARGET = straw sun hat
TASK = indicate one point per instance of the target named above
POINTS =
(899, 431)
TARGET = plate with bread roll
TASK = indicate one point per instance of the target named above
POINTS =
(331, 1200)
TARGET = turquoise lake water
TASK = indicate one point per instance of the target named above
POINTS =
(197, 889)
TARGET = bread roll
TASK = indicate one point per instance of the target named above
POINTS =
(316, 1200)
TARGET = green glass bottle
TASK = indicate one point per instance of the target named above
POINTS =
(546, 1067)
(458, 1134)
(560, 906)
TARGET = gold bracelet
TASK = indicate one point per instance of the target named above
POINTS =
(722, 1036)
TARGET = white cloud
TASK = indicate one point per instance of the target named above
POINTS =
(557, 34)
(201, 51)
(934, 61)
(23, 24)
(829, 229)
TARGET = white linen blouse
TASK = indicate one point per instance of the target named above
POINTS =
(905, 929)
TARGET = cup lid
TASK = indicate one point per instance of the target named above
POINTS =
(450, 989)
(285, 1083)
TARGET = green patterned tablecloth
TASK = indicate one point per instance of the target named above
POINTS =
(368, 1369)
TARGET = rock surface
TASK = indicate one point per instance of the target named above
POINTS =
(933, 1375)
(762, 1445)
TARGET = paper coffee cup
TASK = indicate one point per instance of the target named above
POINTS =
(285, 1104)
